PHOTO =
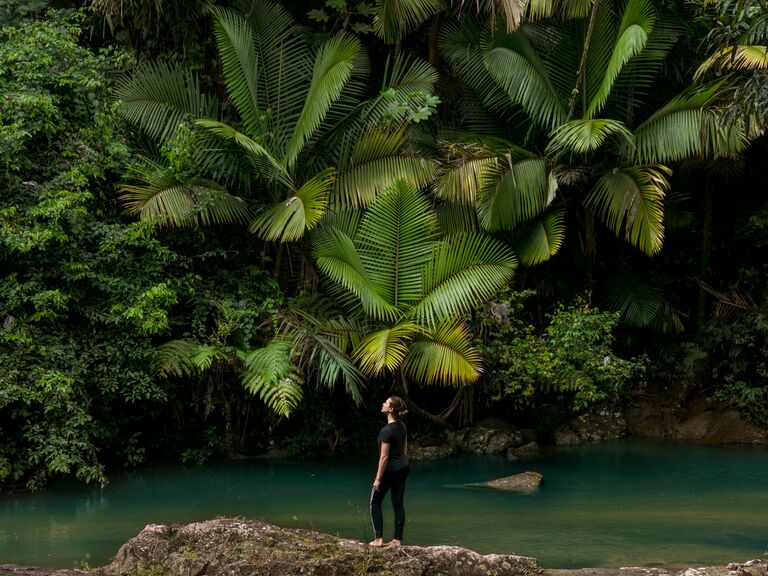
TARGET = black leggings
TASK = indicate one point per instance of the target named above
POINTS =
(396, 482)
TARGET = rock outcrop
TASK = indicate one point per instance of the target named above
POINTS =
(235, 547)
(491, 436)
(696, 423)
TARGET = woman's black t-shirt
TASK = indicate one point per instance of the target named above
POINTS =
(395, 434)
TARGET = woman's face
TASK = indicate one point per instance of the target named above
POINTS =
(386, 408)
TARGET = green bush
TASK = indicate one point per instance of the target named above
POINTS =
(572, 361)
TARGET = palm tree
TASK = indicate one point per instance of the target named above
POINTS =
(299, 136)
(402, 290)
(738, 46)
(580, 141)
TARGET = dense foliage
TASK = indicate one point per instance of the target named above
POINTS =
(571, 364)
(218, 221)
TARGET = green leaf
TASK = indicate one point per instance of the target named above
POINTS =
(253, 148)
(318, 15)
(636, 25)
(158, 98)
(289, 220)
(175, 358)
(632, 199)
(165, 200)
(395, 241)
(338, 258)
(332, 70)
(464, 269)
(542, 238)
(518, 192)
(270, 374)
(394, 19)
(582, 136)
(520, 73)
(444, 356)
(235, 41)
(687, 126)
(378, 160)
(385, 349)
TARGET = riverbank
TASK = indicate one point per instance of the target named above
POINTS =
(239, 547)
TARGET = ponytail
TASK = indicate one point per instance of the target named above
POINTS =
(399, 408)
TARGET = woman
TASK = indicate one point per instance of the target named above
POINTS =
(392, 471)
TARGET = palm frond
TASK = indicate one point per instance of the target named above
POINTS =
(444, 356)
(465, 178)
(323, 346)
(333, 362)
(158, 98)
(632, 199)
(519, 192)
(457, 218)
(465, 270)
(734, 58)
(333, 67)
(289, 220)
(473, 164)
(162, 198)
(285, 68)
(395, 242)
(636, 24)
(385, 349)
(259, 154)
(234, 38)
(272, 376)
(576, 9)
(394, 19)
(640, 76)
(407, 74)
(587, 135)
(540, 9)
(518, 70)
(461, 45)
(642, 303)
(510, 11)
(378, 160)
(338, 258)
(542, 238)
(689, 125)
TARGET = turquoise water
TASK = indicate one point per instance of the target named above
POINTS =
(625, 503)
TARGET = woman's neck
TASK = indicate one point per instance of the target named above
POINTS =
(391, 419)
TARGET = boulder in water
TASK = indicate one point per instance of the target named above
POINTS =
(523, 482)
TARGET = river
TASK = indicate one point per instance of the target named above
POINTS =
(623, 503)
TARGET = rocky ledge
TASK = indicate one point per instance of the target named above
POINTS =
(237, 547)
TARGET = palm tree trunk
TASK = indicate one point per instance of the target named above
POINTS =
(580, 81)
(434, 29)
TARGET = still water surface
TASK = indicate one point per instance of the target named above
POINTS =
(627, 503)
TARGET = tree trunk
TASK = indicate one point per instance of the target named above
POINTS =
(401, 388)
